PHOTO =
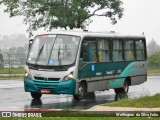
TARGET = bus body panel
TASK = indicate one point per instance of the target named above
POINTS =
(56, 87)
(49, 80)
(101, 76)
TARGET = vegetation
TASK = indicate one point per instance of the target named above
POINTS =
(153, 44)
(51, 14)
(11, 77)
(11, 73)
(154, 71)
(18, 70)
(154, 61)
(144, 102)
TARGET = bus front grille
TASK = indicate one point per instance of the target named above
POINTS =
(46, 79)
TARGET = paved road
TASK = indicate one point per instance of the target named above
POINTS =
(12, 96)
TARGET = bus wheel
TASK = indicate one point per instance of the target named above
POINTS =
(124, 89)
(81, 92)
(36, 95)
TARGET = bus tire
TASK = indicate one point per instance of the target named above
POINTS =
(81, 92)
(36, 95)
(124, 89)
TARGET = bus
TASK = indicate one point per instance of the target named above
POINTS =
(81, 62)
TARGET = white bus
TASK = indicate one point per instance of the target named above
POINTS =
(76, 63)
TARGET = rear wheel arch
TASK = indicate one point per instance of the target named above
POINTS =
(128, 79)
(125, 88)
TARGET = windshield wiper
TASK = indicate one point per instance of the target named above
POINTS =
(59, 58)
(39, 53)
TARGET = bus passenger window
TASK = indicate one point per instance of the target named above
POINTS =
(117, 53)
(88, 52)
(140, 49)
(100, 56)
(104, 50)
(129, 55)
(129, 50)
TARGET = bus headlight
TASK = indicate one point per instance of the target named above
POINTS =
(69, 76)
(28, 75)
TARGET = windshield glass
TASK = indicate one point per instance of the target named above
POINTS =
(54, 50)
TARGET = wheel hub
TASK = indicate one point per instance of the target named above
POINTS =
(80, 90)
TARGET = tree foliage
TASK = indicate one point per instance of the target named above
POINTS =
(154, 61)
(71, 14)
(153, 44)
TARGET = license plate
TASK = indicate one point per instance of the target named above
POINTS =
(45, 91)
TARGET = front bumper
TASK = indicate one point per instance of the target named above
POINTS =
(56, 87)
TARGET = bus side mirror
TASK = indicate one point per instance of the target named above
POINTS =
(30, 43)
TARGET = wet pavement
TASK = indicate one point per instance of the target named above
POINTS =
(13, 96)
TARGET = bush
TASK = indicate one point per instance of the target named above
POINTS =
(154, 61)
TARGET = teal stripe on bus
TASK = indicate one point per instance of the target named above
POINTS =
(113, 68)
(129, 69)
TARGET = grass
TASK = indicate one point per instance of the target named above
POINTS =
(18, 70)
(143, 102)
(153, 71)
(11, 73)
(11, 77)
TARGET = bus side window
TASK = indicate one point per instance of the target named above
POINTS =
(88, 51)
(103, 50)
(140, 49)
(129, 50)
(117, 53)
(84, 52)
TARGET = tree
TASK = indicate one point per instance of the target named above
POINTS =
(71, 14)
(152, 44)
(20, 54)
(154, 61)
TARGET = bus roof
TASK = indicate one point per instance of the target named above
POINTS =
(92, 34)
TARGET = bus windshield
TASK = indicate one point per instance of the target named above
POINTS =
(53, 50)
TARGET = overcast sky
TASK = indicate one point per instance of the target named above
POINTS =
(139, 16)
